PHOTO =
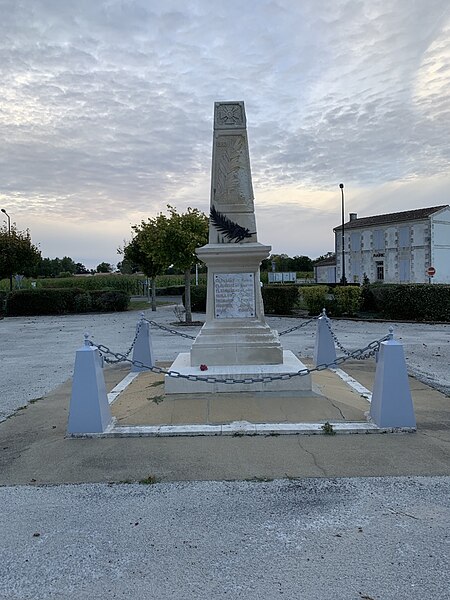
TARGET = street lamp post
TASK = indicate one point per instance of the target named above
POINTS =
(9, 234)
(343, 278)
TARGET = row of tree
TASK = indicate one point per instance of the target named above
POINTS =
(18, 255)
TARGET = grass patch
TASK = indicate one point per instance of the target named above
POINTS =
(150, 480)
(157, 399)
(156, 383)
(327, 428)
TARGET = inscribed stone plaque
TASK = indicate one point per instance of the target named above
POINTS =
(234, 295)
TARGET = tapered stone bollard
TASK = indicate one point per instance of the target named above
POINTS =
(324, 349)
(392, 404)
(89, 410)
(143, 349)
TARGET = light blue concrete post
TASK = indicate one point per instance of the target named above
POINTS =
(89, 410)
(324, 349)
(143, 349)
(392, 404)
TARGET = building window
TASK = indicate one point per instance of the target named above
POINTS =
(378, 239)
(404, 269)
(355, 242)
(403, 237)
(356, 269)
(380, 270)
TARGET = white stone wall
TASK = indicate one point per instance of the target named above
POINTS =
(440, 246)
(325, 274)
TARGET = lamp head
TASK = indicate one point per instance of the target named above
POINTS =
(3, 210)
(341, 185)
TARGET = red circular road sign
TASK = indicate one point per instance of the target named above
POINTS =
(431, 271)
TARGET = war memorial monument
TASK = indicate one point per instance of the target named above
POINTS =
(235, 341)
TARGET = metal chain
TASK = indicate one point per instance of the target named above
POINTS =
(173, 331)
(356, 354)
(112, 361)
(192, 337)
(348, 353)
(286, 331)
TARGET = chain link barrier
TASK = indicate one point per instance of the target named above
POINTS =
(286, 331)
(112, 361)
(192, 337)
(348, 353)
(368, 350)
(169, 330)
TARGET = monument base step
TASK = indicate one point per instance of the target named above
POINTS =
(291, 365)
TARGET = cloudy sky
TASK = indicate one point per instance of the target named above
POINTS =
(106, 113)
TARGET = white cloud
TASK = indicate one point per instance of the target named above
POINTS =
(106, 109)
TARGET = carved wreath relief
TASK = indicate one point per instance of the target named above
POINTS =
(233, 184)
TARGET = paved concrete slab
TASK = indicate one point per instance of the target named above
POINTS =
(144, 402)
(34, 449)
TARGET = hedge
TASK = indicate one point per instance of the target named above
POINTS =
(131, 284)
(3, 297)
(410, 301)
(53, 301)
(198, 298)
(279, 299)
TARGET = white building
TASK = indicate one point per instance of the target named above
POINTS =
(397, 247)
(325, 270)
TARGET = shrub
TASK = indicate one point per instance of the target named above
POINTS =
(41, 302)
(316, 298)
(413, 301)
(3, 296)
(198, 298)
(131, 284)
(53, 301)
(171, 290)
(109, 300)
(83, 302)
(348, 299)
(279, 299)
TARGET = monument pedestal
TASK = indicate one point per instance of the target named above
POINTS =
(236, 342)
(290, 365)
(235, 332)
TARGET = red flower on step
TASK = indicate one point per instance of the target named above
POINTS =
(203, 368)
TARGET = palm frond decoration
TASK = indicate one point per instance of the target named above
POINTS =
(228, 228)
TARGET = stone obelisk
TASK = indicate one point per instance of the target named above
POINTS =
(235, 339)
(235, 332)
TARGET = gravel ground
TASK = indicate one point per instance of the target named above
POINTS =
(37, 353)
(339, 539)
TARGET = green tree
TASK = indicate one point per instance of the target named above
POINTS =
(104, 267)
(140, 253)
(179, 237)
(80, 269)
(18, 255)
(172, 240)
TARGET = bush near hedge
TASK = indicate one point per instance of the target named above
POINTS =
(198, 298)
(3, 296)
(336, 300)
(279, 299)
(410, 301)
(53, 301)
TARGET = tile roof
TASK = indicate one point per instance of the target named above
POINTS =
(330, 261)
(398, 217)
